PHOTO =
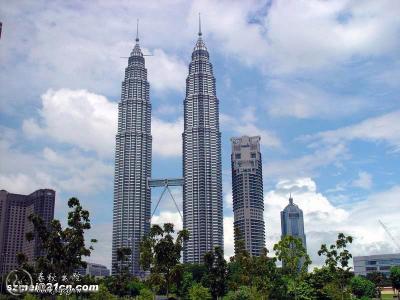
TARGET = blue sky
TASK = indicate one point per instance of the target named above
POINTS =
(317, 80)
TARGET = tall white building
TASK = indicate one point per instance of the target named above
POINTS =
(202, 191)
(247, 192)
(132, 201)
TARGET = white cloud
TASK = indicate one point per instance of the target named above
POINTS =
(384, 128)
(363, 181)
(167, 137)
(245, 125)
(101, 254)
(300, 35)
(76, 117)
(302, 100)
(229, 243)
(168, 217)
(323, 220)
(306, 165)
(89, 121)
(166, 71)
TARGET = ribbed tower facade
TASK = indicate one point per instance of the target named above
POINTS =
(247, 192)
(292, 222)
(202, 191)
(132, 200)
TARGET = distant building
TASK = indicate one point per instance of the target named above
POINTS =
(14, 224)
(247, 191)
(375, 263)
(96, 270)
(292, 222)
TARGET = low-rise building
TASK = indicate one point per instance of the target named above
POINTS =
(375, 263)
(96, 270)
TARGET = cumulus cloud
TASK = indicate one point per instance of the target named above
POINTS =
(245, 124)
(167, 137)
(383, 128)
(166, 71)
(303, 100)
(306, 165)
(301, 35)
(76, 117)
(168, 217)
(323, 220)
(89, 121)
(364, 181)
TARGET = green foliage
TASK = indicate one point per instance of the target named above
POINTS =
(294, 257)
(185, 284)
(102, 294)
(123, 266)
(145, 294)
(215, 277)
(395, 278)
(30, 297)
(244, 293)
(335, 292)
(160, 254)
(318, 279)
(199, 292)
(337, 259)
(362, 287)
(64, 248)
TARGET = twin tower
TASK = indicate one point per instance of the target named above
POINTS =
(202, 178)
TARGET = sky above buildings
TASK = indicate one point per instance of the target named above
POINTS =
(319, 81)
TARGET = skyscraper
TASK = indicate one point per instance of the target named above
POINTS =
(292, 222)
(247, 191)
(14, 224)
(132, 201)
(202, 191)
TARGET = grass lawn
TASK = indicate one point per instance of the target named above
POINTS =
(386, 295)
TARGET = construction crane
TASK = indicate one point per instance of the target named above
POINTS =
(390, 235)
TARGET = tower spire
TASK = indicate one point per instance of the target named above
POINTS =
(200, 25)
(137, 31)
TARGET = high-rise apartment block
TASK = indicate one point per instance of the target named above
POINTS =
(132, 200)
(247, 192)
(14, 225)
(202, 190)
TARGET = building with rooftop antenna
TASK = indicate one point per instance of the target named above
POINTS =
(132, 200)
(202, 191)
(292, 222)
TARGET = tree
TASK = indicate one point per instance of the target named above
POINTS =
(145, 294)
(362, 287)
(199, 292)
(295, 261)
(244, 293)
(337, 259)
(216, 272)
(291, 252)
(378, 279)
(160, 254)
(63, 248)
(395, 278)
(123, 260)
(318, 279)
(102, 294)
